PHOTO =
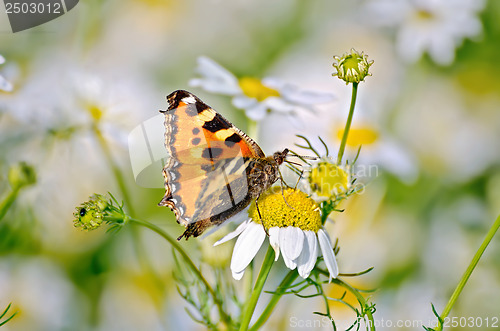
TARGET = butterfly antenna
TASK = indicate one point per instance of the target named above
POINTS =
(305, 157)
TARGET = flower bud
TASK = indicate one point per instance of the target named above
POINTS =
(21, 175)
(90, 214)
(352, 67)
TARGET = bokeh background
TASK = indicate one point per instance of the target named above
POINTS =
(429, 118)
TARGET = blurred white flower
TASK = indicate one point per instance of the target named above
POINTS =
(447, 137)
(39, 292)
(433, 26)
(297, 234)
(256, 97)
(49, 121)
(4, 84)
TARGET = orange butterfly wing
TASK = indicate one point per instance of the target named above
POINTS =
(205, 173)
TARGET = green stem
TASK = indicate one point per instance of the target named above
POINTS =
(140, 252)
(4, 313)
(371, 322)
(249, 281)
(226, 318)
(259, 285)
(285, 283)
(469, 271)
(362, 302)
(120, 179)
(348, 123)
(7, 202)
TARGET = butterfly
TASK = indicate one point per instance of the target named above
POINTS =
(214, 170)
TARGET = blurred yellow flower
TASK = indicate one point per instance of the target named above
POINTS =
(363, 135)
(253, 88)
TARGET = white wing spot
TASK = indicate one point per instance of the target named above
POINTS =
(189, 99)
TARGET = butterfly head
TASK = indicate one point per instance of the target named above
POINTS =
(280, 157)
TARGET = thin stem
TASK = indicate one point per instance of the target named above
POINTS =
(469, 271)
(7, 202)
(140, 252)
(4, 313)
(226, 318)
(361, 300)
(359, 297)
(348, 123)
(120, 179)
(259, 285)
(285, 283)
(249, 281)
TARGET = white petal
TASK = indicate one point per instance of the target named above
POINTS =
(305, 97)
(244, 102)
(5, 85)
(274, 240)
(278, 105)
(2, 59)
(238, 275)
(297, 122)
(273, 83)
(215, 78)
(290, 264)
(256, 113)
(209, 68)
(233, 234)
(247, 246)
(291, 242)
(309, 255)
(328, 254)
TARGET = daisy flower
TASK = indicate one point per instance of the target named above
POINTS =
(433, 26)
(326, 180)
(256, 97)
(4, 84)
(296, 232)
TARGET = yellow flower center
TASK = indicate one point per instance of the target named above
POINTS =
(359, 136)
(298, 210)
(327, 179)
(253, 88)
(95, 111)
(424, 15)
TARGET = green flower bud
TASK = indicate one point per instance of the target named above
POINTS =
(352, 67)
(21, 175)
(90, 214)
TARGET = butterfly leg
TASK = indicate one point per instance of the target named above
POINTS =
(260, 217)
(298, 180)
(282, 180)
(283, 194)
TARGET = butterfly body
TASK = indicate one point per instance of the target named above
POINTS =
(214, 170)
